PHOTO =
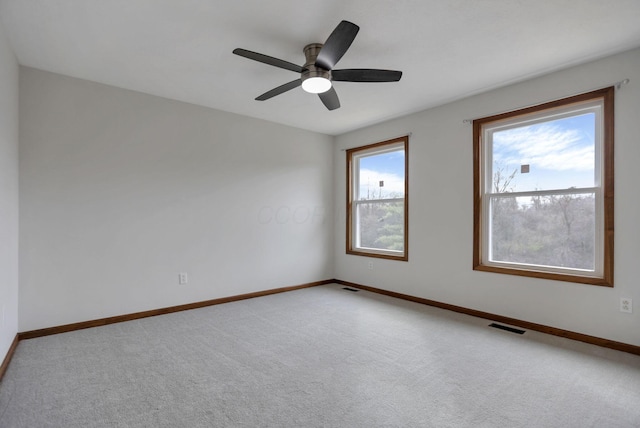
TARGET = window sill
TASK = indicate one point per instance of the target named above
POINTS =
(601, 281)
(380, 255)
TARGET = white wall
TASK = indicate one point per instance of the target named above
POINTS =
(8, 195)
(121, 191)
(441, 210)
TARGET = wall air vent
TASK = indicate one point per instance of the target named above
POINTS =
(504, 327)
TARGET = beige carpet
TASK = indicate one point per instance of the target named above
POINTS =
(317, 357)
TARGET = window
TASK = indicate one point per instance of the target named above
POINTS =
(543, 190)
(377, 200)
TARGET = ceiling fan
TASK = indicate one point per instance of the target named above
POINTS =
(317, 73)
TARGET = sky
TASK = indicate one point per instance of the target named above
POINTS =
(386, 167)
(560, 154)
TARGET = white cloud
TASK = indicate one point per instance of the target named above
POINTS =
(546, 146)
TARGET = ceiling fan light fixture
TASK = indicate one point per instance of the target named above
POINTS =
(316, 85)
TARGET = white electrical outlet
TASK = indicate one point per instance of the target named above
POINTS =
(183, 278)
(626, 305)
(370, 265)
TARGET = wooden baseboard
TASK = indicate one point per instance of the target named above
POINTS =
(137, 315)
(7, 358)
(606, 343)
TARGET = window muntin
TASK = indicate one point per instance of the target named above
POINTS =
(377, 200)
(544, 185)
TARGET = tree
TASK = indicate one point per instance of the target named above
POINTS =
(382, 223)
(550, 230)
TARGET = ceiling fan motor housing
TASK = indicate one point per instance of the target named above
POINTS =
(311, 51)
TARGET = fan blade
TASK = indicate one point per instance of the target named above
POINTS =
(268, 60)
(337, 44)
(330, 99)
(365, 75)
(279, 90)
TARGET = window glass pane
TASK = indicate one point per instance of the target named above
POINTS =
(381, 176)
(381, 225)
(547, 230)
(555, 154)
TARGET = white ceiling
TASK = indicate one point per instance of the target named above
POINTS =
(447, 49)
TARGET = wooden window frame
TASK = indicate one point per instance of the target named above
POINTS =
(605, 278)
(351, 248)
